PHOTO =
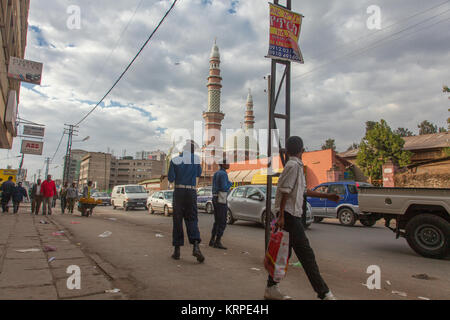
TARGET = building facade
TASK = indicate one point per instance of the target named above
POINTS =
(76, 157)
(13, 39)
(151, 155)
(96, 167)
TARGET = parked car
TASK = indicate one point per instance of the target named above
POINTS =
(103, 196)
(248, 203)
(161, 201)
(204, 199)
(129, 196)
(346, 210)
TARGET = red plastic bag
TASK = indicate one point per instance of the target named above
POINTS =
(277, 255)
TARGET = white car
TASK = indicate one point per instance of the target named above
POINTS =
(161, 201)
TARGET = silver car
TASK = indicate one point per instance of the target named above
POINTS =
(248, 203)
(160, 201)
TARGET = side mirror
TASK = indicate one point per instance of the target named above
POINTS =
(162, 198)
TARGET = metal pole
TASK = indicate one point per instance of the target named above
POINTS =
(20, 166)
(269, 163)
(47, 163)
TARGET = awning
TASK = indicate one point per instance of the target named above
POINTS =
(242, 174)
(261, 177)
(232, 176)
(248, 178)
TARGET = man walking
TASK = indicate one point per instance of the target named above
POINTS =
(63, 198)
(7, 191)
(18, 194)
(36, 197)
(221, 186)
(289, 206)
(48, 190)
(184, 171)
(72, 197)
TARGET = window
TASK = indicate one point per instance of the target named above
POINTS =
(252, 192)
(156, 195)
(201, 193)
(352, 189)
(239, 193)
(168, 195)
(337, 188)
(322, 189)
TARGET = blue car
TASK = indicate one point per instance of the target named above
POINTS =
(204, 199)
(346, 210)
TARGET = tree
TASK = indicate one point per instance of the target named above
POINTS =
(379, 145)
(426, 127)
(354, 146)
(403, 132)
(329, 144)
(370, 125)
(442, 129)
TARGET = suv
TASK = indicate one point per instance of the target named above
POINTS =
(346, 210)
(204, 199)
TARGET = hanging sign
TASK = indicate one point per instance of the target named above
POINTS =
(25, 70)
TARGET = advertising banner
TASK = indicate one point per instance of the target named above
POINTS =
(285, 28)
(32, 147)
(33, 131)
(25, 70)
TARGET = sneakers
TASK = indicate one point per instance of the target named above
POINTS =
(329, 296)
(274, 293)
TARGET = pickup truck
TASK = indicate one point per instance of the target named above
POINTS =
(422, 216)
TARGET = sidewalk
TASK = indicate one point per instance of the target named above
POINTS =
(30, 275)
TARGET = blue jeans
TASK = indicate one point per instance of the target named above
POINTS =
(185, 207)
(220, 218)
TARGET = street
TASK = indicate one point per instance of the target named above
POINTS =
(139, 250)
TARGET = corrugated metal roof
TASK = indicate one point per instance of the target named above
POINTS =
(427, 141)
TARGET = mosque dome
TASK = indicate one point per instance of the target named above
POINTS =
(242, 145)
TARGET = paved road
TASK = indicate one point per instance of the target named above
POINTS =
(140, 248)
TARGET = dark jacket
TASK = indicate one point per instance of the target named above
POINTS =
(19, 193)
(8, 187)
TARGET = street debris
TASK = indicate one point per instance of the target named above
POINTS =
(255, 269)
(112, 219)
(58, 233)
(105, 234)
(245, 252)
(51, 259)
(75, 222)
(388, 282)
(43, 222)
(178, 266)
(159, 235)
(423, 298)
(112, 291)
(49, 248)
(296, 264)
(422, 276)
(28, 250)
(401, 294)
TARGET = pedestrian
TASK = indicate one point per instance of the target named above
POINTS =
(220, 188)
(63, 198)
(289, 208)
(87, 190)
(36, 196)
(72, 197)
(183, 172)
(7, 189)
(55, 197)
(48, 190)
(18, 195)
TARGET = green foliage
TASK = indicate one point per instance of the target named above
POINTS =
(403, 132)
(329, 144)
(354, 146)
(426, 127)
(378, 146)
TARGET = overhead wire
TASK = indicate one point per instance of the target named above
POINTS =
(130, 64)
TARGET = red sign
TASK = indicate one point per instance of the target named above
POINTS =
(32, 147)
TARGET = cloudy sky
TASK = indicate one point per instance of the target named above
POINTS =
(351, 73)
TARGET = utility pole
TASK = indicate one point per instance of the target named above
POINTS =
(39, 174)
(273, 115)
(47, 165)
(67, 159)
(20, 166)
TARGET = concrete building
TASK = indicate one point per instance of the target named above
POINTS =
(96, 167)
(13, 39)
(75, 164)
(151, 155)
(106, 171)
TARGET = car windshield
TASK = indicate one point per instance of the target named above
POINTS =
(274, 190)
(168, 195)
(101, 194)
(135, 189)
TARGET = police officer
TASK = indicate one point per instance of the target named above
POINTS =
(183, 171)
(7, 189)
(220, 188)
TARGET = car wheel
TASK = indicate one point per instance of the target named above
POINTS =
(263, 218)
(318, 219)
(230, 218)
(346, 217)
(166, 211)
(368, 222)
(429, 236)
(150, 209)
(125, 206)
(209, 208)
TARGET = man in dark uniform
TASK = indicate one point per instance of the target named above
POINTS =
(7, 192)
(183, 171)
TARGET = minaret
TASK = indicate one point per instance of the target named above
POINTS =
(249, 117)
(214, 116)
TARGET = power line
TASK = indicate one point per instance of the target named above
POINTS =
(130, 64)
(115, 47)
(371, 46)
(383, 29)
(59, 144)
